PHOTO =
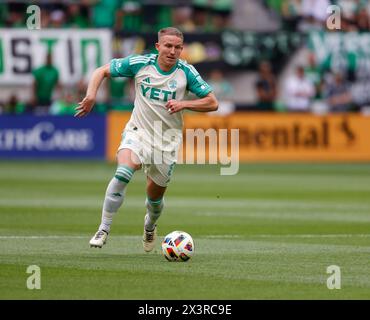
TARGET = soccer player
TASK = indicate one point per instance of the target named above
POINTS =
(152, 136)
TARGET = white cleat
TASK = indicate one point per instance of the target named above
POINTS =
(99, 239)
(149, 238)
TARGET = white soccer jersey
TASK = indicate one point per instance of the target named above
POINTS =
(154, 87)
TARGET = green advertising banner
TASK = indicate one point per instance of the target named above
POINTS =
(342, 51)
(76, 53)
(245, 49)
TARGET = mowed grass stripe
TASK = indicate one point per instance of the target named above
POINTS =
(250, 181)
(247, 175)
(130, 244)
(175, 201)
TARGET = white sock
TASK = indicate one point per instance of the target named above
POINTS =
(115, 195)
(154, 210)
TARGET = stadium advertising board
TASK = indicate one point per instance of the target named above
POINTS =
(116, 122)
(270, 137)
(295, 137)
(76, 53)
(246, 49)
(52, 137)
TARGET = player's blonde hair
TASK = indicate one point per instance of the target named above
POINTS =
(170, 31)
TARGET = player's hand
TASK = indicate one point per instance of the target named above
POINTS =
(84, 107)
(174, 106)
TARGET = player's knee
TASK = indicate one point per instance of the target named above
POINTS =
(128, 158)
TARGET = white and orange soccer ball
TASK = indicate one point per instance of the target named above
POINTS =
(178, 246)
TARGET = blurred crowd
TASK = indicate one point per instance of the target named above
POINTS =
(49, 96)
(308, 15)
(309, 87)
(123, 15)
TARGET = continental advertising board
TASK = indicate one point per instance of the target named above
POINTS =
(268, 137)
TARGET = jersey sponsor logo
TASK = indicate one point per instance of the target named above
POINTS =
(157, 94)
(172, 84)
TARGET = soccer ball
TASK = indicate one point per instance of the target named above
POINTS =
(178, 246)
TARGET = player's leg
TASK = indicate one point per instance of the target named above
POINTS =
(127, 164)
(158, 177)
(154, 206)
(154, 203)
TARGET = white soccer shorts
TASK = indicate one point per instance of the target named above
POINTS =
(158, 165)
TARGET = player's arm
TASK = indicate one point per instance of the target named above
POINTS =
(85, 106)
(205, 104)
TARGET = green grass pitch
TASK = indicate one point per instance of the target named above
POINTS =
(269, 232)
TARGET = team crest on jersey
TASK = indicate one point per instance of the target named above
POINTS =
(172, 84)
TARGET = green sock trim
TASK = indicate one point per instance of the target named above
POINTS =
(158, 201)
(124, 173)
(126, 167)
(121, 179)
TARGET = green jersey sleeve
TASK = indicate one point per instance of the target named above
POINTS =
(126, 67)
(195, 82)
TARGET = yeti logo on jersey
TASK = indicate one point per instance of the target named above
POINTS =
(172, 84)
(157, 94)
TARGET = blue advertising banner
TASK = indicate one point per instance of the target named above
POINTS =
(52, 137)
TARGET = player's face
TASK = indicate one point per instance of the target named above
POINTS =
(169, 50)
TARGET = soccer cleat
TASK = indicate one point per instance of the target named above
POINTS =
(149, 238)
(99, 239)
